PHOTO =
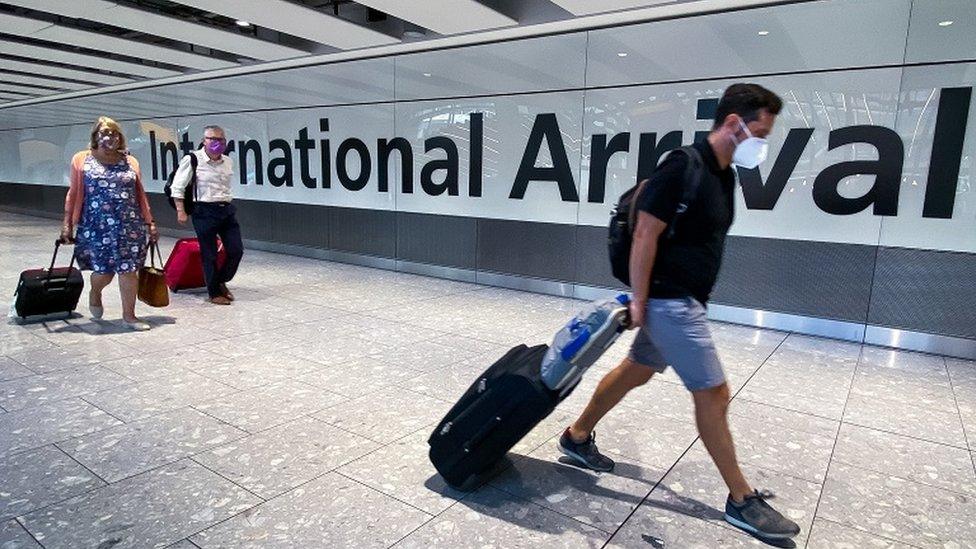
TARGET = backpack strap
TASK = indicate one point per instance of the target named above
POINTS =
(193, 175)
(691, 180)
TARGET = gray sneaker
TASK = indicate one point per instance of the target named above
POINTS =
(757, 517)
(586, 452)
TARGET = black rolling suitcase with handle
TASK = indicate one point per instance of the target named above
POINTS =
(49, 291)
(517, 392)
(500, 408)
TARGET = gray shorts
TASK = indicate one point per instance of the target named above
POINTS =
(675, 333)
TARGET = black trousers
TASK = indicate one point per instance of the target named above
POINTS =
(211, 220)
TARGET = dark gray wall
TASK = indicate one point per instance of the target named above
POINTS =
(918, 290)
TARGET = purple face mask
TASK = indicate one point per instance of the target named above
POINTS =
(216, 147)
(108, 142)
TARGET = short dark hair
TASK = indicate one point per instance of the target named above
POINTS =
(746, 100)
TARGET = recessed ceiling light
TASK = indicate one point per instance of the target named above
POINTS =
(945, 23)
(763, 33)
(427, 74)
(621, 54)
(242, 23)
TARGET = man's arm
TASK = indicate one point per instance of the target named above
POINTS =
(180, 181)
(642, 254)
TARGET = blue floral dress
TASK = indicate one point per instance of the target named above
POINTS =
(111, 235)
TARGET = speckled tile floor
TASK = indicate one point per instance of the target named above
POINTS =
(298, 418)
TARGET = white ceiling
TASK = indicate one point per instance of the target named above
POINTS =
(589, 7)
(444, 16)
(290, 18)
(163, 25)
(38, 69)
(73, 45)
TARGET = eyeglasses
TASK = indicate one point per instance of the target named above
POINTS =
(108, 132)
(221, 139)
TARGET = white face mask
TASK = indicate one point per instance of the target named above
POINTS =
(751, 151)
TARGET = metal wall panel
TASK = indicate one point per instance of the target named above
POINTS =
(820, 279)
(543, 250)
(437, 239)
(926, 291)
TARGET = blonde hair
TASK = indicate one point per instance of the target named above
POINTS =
(106, 122)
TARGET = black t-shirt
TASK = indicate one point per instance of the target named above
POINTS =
(687, 264)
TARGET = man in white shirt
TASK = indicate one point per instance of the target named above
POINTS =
(213, 214)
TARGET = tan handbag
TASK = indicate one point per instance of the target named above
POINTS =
(152, 281)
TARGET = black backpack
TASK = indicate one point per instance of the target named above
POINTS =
(191, 188)
(623, 218)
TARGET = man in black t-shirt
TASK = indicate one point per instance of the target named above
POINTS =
(672, 278)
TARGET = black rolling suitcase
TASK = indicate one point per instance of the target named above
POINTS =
(502, 406)
(49, 291)
(513, 395)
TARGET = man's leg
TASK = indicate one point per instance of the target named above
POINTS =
(205, 226)
(578, 441)
(680, 330)
(711, 409)
(610, 391)
(230, 235)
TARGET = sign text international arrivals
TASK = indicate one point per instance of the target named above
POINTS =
(940, 192)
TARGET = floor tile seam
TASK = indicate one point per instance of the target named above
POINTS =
(683, 419)
(869, 532)
(153, 378)
(368, 393)
(179, 406)
(904, 435)
(267, 501)
(864, 383)
(221, 475)
(805, 432)
(415, 530)
(888, 400)
(29, 533)
(833, 450)
(751, 400)
(905, 479)
(170, 461)
(890, 432)
(651, 491)
(223, 422)
(86, 493)
(363, 436)
(80, 464)
(757, 370)
(185, 456)
(92, 490)
(382, 493)
(782, 472)
(529, 502)
(962, 422)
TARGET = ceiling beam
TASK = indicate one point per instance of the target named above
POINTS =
(12, 96)
(61, 72)
(40, 81)
(589, 7)
(165, 26)
(83, 60)
(12, 24)
(444, 16)
(296, 20)
(4, 86)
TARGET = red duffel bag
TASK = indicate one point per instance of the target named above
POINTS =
(184, 268)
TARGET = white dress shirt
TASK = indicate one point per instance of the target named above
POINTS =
(213, 178)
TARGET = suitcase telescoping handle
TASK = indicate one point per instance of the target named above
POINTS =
(54, 259)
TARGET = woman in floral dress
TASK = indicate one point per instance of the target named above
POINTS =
(107, 204)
